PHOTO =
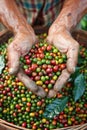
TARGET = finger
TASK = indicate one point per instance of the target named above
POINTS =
(40, 92)
(27, 81)
(61, 80)
(52, 93)
(13, 59)
(30, 84)
(72, 55)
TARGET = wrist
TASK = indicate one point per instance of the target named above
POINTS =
(67, 21)
(68, 25)
(22, 27)
(71, 13)
(25, 32)
(57, 28)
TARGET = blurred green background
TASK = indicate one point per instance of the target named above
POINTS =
(83, 23)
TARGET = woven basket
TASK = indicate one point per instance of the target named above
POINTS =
(81, 37)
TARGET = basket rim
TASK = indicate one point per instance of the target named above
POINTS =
(75, 127)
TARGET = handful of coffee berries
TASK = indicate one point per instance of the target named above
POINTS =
(44, 63)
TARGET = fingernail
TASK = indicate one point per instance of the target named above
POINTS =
(52, 93)
(12, 71)
(58, 87)
(72, 69)
(41, 93)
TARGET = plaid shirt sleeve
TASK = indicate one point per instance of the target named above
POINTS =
(42, 12)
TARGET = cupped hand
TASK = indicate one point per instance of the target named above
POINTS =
(61, 38)
(20, 46)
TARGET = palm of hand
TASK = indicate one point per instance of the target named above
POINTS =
(63, 40)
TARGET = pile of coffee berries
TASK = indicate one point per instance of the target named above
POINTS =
(20, 106)
(44, 64)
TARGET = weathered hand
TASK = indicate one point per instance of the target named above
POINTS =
(61, 38)
(20, 46)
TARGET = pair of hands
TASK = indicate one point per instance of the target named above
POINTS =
(61, 38)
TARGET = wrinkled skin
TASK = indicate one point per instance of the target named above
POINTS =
(59, 35)
(63, 40)
(20, 46)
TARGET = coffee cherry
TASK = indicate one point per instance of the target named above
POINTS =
(43, 64)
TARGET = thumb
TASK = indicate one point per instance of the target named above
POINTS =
(13, 59)
(72, 55)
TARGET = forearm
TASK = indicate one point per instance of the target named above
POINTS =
(71, 13)
(11, 17)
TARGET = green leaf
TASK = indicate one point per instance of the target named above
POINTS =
(79, 87)
(75, 74)
(55, 107)
(80, 60)
(2, 63)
